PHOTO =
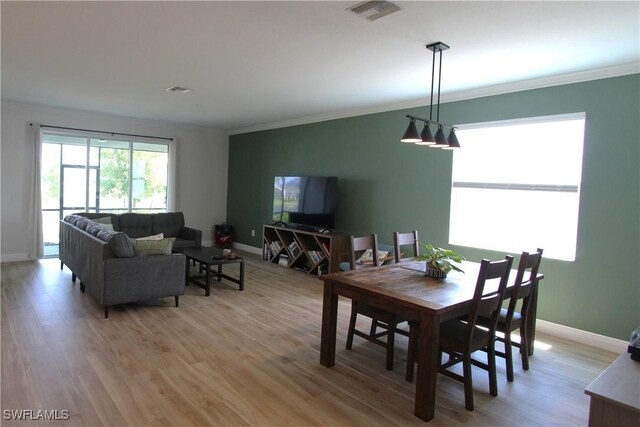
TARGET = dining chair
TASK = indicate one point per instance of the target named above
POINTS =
(510, 318)
(460, 338)
(405, 239)
(379, 318)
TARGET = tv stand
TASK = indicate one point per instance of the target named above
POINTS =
(306, 250)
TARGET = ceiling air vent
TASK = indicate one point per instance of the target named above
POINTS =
(178, 89)
(373, 10)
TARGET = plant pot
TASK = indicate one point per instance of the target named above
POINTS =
(434, 272)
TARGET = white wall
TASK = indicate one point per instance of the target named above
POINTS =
(201, 168)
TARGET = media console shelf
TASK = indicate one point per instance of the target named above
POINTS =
(308, 251)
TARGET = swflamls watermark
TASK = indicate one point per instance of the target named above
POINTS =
(35, 414)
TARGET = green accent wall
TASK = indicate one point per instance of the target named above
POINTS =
(384, 186)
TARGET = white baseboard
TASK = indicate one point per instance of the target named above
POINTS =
(14, 257)
(247, 248)
(613, 345)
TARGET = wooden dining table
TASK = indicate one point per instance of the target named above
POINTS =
(405, 290)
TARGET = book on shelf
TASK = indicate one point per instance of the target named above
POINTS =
(276, 246)
(367, 257)
(315, 256)
(283, 260)
(294, 248)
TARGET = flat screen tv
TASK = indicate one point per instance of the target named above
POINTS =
(305, 200)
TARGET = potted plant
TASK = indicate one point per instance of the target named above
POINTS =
(439, 260)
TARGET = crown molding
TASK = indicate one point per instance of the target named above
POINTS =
(538, 83)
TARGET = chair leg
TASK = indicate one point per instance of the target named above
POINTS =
(374, 328)
(352, 324)
(106, 311)
(391, 333)
(468, 382)
(493, 377)
(508, 348)
(177, 300)
(411, 352)
(524, 347)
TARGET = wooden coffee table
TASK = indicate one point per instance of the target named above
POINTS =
(208, 257)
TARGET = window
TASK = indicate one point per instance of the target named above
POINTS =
(521, 177)
(87, 173)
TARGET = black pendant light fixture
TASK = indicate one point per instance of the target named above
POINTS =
(426, 137)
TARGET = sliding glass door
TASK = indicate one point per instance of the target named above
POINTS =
(88, 174)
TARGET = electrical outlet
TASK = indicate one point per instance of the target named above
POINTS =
(253, 233)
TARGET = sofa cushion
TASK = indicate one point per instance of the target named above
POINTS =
(121, 245)
(170, 223)
(136, 225)
(153, 247)
(183, 243)
(154, 237)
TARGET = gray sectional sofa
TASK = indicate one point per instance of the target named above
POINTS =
(100, 249)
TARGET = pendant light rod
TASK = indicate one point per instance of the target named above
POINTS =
(433, 73)
(439, 81)
(436, 47)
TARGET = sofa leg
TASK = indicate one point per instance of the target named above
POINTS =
(73, 277)
(106, 311)
(82, 287)
(177, 300)
(61, 265)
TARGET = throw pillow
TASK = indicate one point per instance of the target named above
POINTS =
(71, 219)
(82, 223)
(103, 220)
(122, 245)
(108, 227)
(154, 247)
(105, 235)
(93, 228)
(154, 237)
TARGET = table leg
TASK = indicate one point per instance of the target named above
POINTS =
(207, 280)
(219, 272)
(242, 275)
(329, 325)
(428, 339)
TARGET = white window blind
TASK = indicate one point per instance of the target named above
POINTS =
(516, 185)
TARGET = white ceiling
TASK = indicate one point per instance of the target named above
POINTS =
(251, 64)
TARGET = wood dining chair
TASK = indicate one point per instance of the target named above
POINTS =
(405, 240)
(511, 318)
(387, 321)
(460, 338)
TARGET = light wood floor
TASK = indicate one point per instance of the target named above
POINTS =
(242, 358)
